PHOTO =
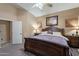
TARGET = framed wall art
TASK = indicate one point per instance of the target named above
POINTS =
(72, 22)
(52, 21)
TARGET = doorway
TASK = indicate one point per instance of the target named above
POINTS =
(16, 32)
(10, 32)
(4, 32)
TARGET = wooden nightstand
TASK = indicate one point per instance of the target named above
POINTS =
(73, 41)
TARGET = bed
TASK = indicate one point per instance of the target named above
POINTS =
(47, 44)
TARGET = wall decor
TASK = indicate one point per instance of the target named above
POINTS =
(72, 22)
(52, 21)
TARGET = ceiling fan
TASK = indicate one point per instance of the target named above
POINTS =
(41, 5)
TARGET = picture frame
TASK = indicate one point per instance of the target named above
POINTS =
(52, 21)
(71, 22)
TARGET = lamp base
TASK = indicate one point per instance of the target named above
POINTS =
(77, 33)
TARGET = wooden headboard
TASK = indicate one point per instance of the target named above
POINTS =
(54, 29)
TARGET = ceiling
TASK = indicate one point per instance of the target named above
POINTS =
(56, 7)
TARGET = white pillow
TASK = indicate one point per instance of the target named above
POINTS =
(43, 33)
(57, 34)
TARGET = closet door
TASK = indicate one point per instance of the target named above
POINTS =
(3, 34)
(16, 28)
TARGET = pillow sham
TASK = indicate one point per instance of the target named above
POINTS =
(50, 32)
(43, 33)
(47, 32)
(57, 34)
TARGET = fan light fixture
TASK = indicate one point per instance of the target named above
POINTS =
(39, 5)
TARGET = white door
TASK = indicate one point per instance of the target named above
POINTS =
(16, 32)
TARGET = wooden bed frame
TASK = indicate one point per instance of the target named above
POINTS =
(45, 48)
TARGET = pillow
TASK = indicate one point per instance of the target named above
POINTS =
(57, 34)
(50, 32)
(43, 33)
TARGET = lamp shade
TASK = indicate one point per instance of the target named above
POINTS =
(36, 26)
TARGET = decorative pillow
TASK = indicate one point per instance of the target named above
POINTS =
(43, 33)
(57, 33)
(50, 32)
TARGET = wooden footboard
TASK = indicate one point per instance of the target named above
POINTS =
(40, 47)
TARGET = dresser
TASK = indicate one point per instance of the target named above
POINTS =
(73, 41)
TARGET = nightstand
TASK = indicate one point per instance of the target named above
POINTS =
(73, 41)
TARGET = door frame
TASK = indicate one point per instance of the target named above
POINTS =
(10, 28)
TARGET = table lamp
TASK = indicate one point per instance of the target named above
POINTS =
(77, 28)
